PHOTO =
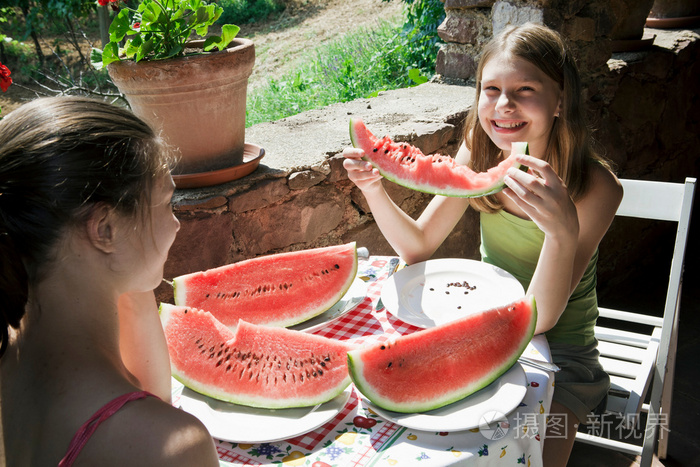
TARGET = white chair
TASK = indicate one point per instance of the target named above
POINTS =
(636, 359)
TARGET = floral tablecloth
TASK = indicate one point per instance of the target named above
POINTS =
(357, 436)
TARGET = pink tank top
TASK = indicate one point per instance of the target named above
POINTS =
(85, 432)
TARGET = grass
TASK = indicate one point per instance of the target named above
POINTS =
(359, 64)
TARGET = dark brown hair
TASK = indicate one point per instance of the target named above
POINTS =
(60, 156)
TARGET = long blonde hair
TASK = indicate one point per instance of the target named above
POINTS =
(569, 150)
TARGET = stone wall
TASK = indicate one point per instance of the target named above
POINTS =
(469, 24)
(646, 106)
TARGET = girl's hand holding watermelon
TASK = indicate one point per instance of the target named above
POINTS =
(543, 197)
(545, 227)
(361, 172)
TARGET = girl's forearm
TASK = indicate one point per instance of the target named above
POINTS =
(401, 231)
(142, 343)
(552, 281)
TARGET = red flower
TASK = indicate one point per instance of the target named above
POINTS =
(103, 2)
(5, 79)
(137, 25)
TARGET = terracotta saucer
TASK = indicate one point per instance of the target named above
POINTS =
(632, 45)
(252, 153)
(674, 23)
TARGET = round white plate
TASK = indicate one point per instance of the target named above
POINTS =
(437, 291)
(495, 401)
(355, 294)
(241, 424)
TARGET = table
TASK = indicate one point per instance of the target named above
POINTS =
(372, 441)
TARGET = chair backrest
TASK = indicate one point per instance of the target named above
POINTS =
(655, 200)
(669, 202)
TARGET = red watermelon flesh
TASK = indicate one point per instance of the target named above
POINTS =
(276, 290)
(257, 366)
(435, 367)
(406, 165)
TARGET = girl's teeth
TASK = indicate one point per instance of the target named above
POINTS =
(509, 125)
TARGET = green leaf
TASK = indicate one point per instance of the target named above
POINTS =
(229, 33)
(151, 14)
(173, 51)
(132, 46)
(96, 58)
(415, 76)
(120, 26)
(145, 49)
(211, 42)
(110, 54)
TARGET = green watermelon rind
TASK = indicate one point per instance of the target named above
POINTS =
(180, 295)
(165, 310)
(355, 367)
(522, 148)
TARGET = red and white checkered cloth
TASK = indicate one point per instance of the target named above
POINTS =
(362, 325)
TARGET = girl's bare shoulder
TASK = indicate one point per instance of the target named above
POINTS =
(604, 191)
(604, 183)
(155, 433)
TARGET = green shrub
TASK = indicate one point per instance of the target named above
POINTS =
(359, 64)
(419, 39)
(248, 11)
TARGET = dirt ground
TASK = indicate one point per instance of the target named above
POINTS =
(282, 40)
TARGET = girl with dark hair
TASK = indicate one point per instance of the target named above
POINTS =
(85, 228)
(545, 227)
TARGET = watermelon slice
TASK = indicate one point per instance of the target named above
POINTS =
(435, 367)
(407, 166)
(257, 366)
(276, 290)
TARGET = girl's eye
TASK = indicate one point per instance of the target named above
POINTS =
(490, 88)
(526, 88)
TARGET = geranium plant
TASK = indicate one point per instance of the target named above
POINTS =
(5, 79)
(160, 29)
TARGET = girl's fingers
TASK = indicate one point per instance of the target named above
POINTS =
(357, 165)
(353, 153)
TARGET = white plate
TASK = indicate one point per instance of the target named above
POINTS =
(355, 294)
(437, 291)
(241, 424)
(493, 402)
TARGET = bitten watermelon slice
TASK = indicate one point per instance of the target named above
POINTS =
(406, 165)
(435, 367)
(257, 366)
(276, 290)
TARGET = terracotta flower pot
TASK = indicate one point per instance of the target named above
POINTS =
(198, 102)
(673, 14)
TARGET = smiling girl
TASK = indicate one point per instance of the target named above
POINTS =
(546, 225)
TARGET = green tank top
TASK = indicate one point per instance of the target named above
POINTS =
(514, 244)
